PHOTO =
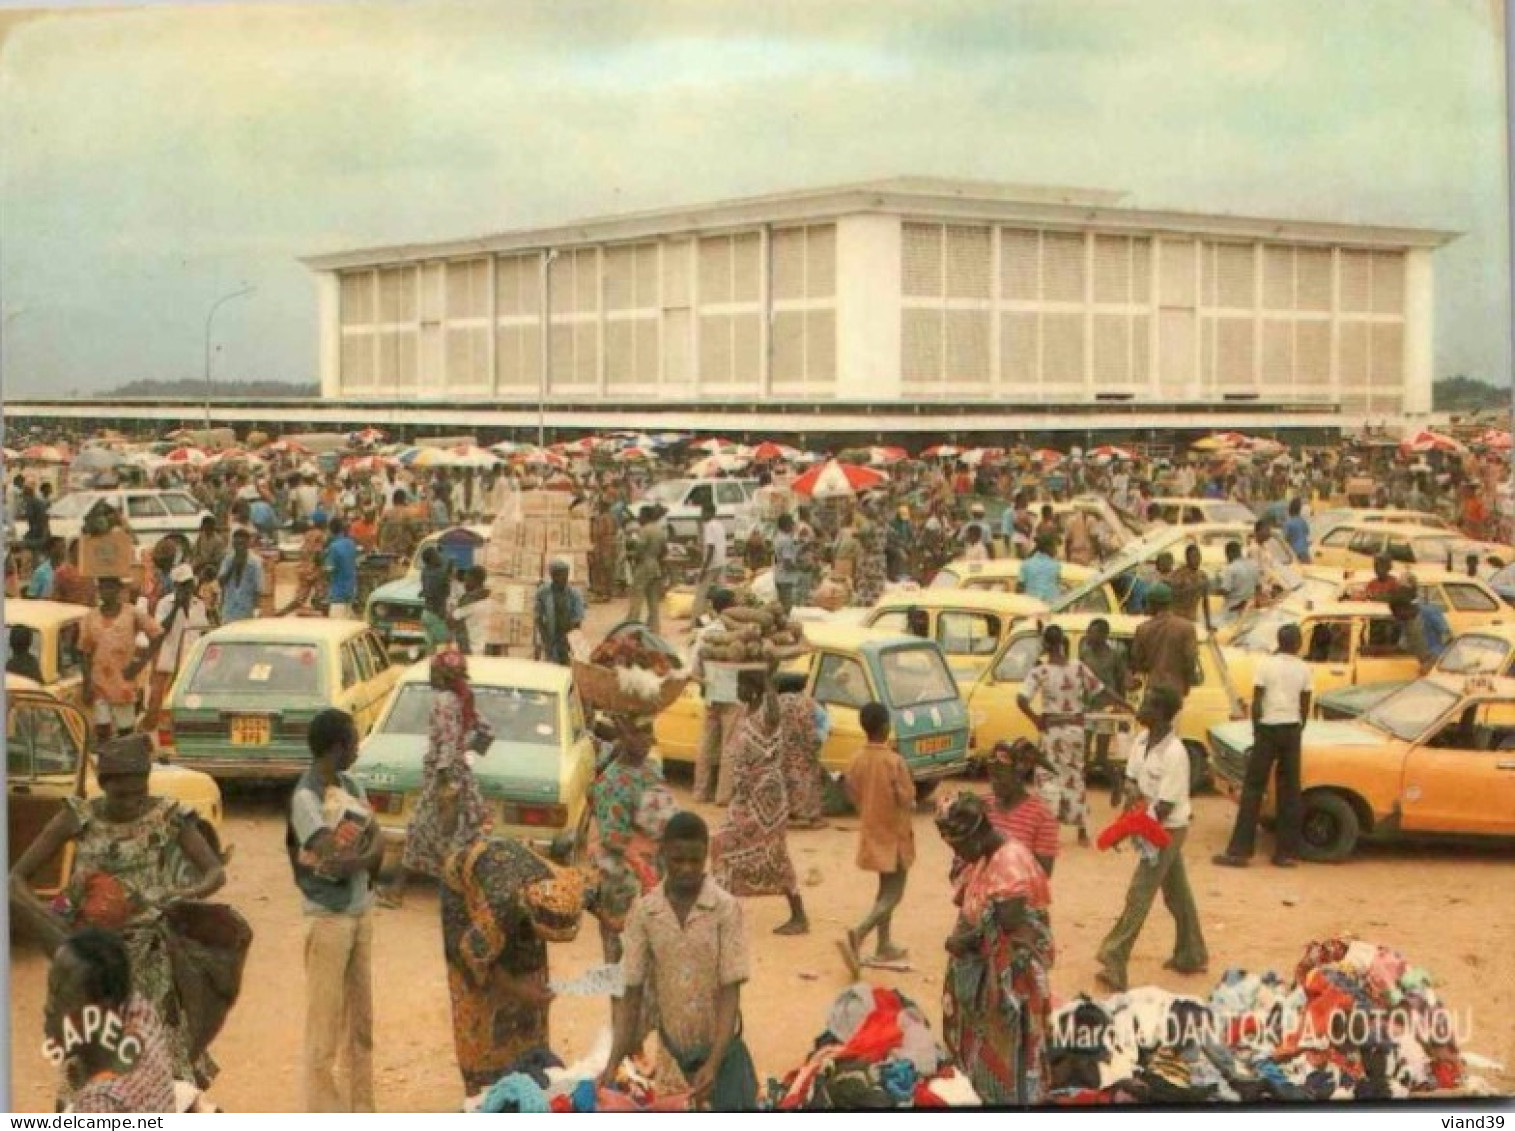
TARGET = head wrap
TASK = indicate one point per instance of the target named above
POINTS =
(1160, 594)
(129, 755)
(452, 667)
(960, 814)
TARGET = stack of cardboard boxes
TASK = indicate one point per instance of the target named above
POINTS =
(529, 534)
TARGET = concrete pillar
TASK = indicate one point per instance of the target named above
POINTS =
(1420, 332)
(329, 333)
(869, 282)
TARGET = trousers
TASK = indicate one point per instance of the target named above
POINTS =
(339, 1011)
(1275, 755)
(1166, 875)
(712, 769)
(648, 591)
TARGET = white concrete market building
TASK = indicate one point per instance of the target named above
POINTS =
(915, 300)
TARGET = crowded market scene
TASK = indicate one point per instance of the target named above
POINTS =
(590, 703)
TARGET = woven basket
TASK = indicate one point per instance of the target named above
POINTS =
(599, 687)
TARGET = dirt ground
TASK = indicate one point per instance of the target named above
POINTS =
(1446, 908)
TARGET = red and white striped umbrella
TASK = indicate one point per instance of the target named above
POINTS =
(717, 464)
(581, 447)
(542, 458)
(1111, 452)
(1051, 457)
(1495, 439)
(769, 452)
(975, 456)
(884, 457)
(284, 448)
(942, 451)
(1427, 441)
(634, 455)
(45, 453)
(186, 455)
(832, 479)
(367, 437)
(369, 464)
(713, 445)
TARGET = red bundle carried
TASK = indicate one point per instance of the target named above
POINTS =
(103, 902)
(1134, 822)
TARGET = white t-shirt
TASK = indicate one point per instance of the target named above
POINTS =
(976, 552)
(181, 636)
(714, 536)
(1280, 680)
(1162, 774)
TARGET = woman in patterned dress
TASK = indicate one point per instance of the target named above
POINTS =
(130, 849)
(871, 564)
(450, 814)
(803, 724)
(750, 851)
(996, 997)
(501, 905)
(1065, 686)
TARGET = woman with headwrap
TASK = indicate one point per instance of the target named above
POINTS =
(450, 813)
(501, 905)
(803, 726)
(996, 997)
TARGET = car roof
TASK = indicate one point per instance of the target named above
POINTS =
(34, 613)
(313, 629)
(14, 683)
(986, 599)
(1007, 568)
(1344, 608)
(1197, 500)
(1121, 624)
(502, 671)
(1413, 529)
(846, 637)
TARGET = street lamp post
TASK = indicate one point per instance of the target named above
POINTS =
(209, 318)
(545, 377)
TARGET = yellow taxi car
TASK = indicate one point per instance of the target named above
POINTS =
(849, 667)
(1344, 642)
(1354, 545)
(536, 775)
(1177, 511)
(245, 696)
(1435, 758)
(1323, 524)
(1002, 575)
(968, 624)
(1467, 602)
(55, 629)
(997, 716)
(49, 757)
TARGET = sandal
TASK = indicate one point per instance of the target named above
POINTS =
(891, 954)
(1186, 971)
(793, 927)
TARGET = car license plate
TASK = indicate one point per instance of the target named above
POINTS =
(407, 626)
(934, 745)
(249, 730)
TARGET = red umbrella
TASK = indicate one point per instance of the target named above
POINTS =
(367, 436)
(1048, 456)
(1428, 441)
(367, 463)
(832, 479)
(883, 457)
(284, 448)
(1495, 439)
(45, 453)
(941, 451)
(975, 456)
(542, 459)
(768, 452)
(1110, 451)
(186, 455)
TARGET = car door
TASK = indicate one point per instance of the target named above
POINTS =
(968, 639)
(1328, 645)
(349, 680)
(69, 664)
(45, 765)
(992, 709)
(1334, 548)
(1467, 606)
(1381, 654)
(576, 772)
(1364, 547)
(184, 512)
(1462, 778)
(841, 684)
(147, 516)
(384, 674)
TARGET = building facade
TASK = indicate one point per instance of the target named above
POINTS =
(1052, 306)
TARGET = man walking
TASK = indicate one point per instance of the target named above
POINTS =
(786, 562)
(647, 567)
(1157, 775)
(1191, 588)
(1238, 582)
(1280, 706)
(713, 562)
(340, 561)
(686, 944)
(334, 867)
(108, 645)
(241, 580)
(559, 611)
(1165, 648)
(184, 618)
(436, 590)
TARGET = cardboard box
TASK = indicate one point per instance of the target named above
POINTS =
(533, 537)
(107, 555)
(518, 631)
(536, 504)
(580, 534)
(556, 536)
(516, 598)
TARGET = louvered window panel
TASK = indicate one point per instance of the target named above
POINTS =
(1277, 354)
(747, 267)
(1020, 264)
(510, 365)
(820, 347)
(820, 261)
(432, 366)
(1235, 353)
(561, 360)
(647, 276)
(433, 294)
(357, 360)
(649, 358)
(1278, 278)
(407, 362)
(788, 346)
(460, 359)
(678, 347)
(586, 279)
(921, 248)
(1141, 270)
(507, 288)
(1112, 271)
(747, 350)
(387, 355)
(620, 278)
(397, 294)
(357, 298)
(620, 352)
(676, 273)
(1062, 349)
(1313, 265)
(969, 251)
(1388, 282)
(1175, 272)
(921, 346)
(1141, 349)
(715, 349)
(1207, 366)
(1352, 354)
(1235, 278)
(1312, 355)
(1356, 282)
(467, 293)
(1112, 350)
(1175, 339)
(1387, 345)
(586, 368)
(968, 346)
(715, 269)
(788, 264)
(1018, 366)
(1063, 267)
(560, 284)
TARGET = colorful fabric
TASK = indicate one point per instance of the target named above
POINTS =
(800, 753)
(631, 805)
(148, 1085)
(111, 644)
(1064, 689)
(490, 947)
(451, 813)
(750, 850)
(1030, 822)
(871, 564)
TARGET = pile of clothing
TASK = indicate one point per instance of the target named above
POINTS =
(539, 1082)
(1354, 1021)
(877, 1051)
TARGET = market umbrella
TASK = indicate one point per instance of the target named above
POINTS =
(192, 456)
(1219, 442)
(366, 437)
(284, 448)
(1111, 452)
(542, 458)
(471, 455)
(408, 456)
(883, 457)
(507, 448)
(832, 479)
(1495, 439)
(713, 445)
(941, 451)
(1048, 456)
(431, 457)
(230, 455)
(367, 463)
(975, 456)
(769, 452)
(45, 453)
(577, 447)
(1427, 441)
(634, 455)
(714, 465)
(98, 459)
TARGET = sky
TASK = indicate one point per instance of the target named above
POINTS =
(155, 159)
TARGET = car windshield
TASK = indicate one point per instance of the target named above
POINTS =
(1229, 512)
(1475, 655)
(916, 675)
(259, 668)
(515, 714)
(1412, 710)
(1257, 631)
(670, 493)
(1436, 551)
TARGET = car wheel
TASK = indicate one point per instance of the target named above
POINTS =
(1201, 780)
(1329, 827)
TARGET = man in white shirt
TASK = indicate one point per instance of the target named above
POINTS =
(184, 618)
(713, 568)
(1280, 706)
(1157, 779)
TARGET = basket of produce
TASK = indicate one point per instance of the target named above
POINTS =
(755, 633)
(632, 670)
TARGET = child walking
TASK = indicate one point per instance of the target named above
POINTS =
(879, 786)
